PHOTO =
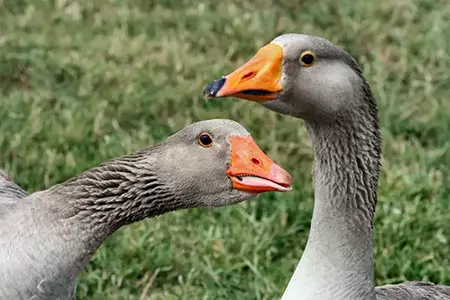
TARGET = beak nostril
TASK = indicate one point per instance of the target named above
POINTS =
(256, 161)
(248, 75)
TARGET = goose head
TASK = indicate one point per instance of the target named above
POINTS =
(217, 162)
(300, 75)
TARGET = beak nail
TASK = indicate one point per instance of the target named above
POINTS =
(214, 87)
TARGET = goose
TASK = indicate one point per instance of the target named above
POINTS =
(48, 237)
(310, 78)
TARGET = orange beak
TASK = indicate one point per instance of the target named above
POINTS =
(253, 171)
(257, 80)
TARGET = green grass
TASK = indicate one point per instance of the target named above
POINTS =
(82, 82)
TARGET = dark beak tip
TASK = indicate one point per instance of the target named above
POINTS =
(213, 88)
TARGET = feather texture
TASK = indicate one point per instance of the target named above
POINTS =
(9, 190)
(413, 290)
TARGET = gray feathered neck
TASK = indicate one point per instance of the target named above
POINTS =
(116, 193)
(348, 150)
(337, 262)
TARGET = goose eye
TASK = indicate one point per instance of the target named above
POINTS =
(307, 58)
(205, 140)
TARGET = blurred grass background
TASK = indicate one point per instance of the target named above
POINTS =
(84, 81)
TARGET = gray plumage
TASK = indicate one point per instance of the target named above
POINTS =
(341, 115)
(48, 237)
(413, 290)
(9, 190)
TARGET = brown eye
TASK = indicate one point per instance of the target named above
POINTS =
(307, 58)
(205, 140)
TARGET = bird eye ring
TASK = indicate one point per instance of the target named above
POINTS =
(307, 58)
(205, 140)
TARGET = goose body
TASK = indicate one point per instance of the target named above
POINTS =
(309, 78)
(48, 237)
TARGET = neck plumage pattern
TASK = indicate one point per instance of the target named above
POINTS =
(337, 262)
(116, 193)
(347, 157)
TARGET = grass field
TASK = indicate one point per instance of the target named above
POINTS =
(85, 81)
